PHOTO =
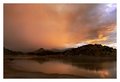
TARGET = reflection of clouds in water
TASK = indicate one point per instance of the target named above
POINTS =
(55, 67)
(103, 73)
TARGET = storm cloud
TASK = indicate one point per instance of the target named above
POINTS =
(31, 26)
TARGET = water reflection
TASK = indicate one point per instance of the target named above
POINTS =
(57, 67)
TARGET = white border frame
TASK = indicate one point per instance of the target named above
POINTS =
(59, 1)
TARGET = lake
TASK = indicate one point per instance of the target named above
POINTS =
(29, 68)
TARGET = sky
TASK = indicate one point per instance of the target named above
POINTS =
(32, 26)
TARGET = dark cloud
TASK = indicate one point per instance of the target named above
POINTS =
(95, 21)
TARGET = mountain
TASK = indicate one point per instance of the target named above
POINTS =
(92, 50)
(86, 50)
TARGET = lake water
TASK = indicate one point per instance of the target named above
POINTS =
(59, 67)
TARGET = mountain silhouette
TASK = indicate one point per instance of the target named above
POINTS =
(92, 50)
(86, 50)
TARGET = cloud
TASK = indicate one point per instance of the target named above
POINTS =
(32, 26)
(93, 24)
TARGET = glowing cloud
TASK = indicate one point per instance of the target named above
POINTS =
(32, 26)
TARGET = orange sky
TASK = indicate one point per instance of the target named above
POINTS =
(31, 26)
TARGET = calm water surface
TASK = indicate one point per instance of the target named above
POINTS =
(59, 67)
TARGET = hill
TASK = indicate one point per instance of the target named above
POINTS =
(10, 52)
(92, 50)
(86, 50)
